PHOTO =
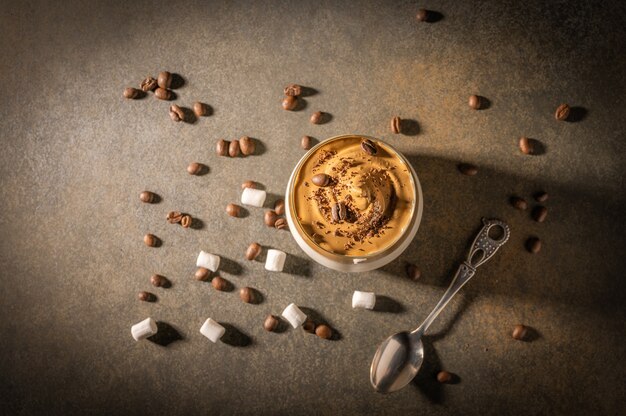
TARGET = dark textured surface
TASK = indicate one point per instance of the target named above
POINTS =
(75, 156)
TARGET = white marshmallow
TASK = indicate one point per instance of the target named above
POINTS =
(294, 315)
(144, 329)
(208, 261)
(254, 197)
(212, 330)
(275, 260)
(365, 300)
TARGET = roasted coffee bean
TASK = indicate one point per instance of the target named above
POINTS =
(321, 179)
(146, 296)
(280, 224)
(149, 84)
(219, 283)
(253, 251)
(396, 123)
(147, 197)
(150, 240)
(162, 94)
(271, 323)
(412, 272)
(540, 213)
(290, 103)
(533, 245)
(317, 117)
(131, 93)
(194, 168)
(247, 145)
(562, 112)
(474, 102)
(200, 109)
(444, 377)
(422, 15)
(519, 203)
(222, 147)
(526, 146)
(176, 113)
(279, 207)
(233, 210)
(186, 221)
(467, 169)
(324, 331)
(519, 332)
(246, 294)
(174, 217)
(270, 218)
(158, 280)
(338, 211)
(248, 184)
(309, 326)
(293, 90)
(305, 142)
(164, 79)
(369, 147)
(233, 148)
(541, 196)
(202, 274)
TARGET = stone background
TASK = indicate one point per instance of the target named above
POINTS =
(75, 156)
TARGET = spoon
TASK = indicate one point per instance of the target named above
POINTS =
(399, 357)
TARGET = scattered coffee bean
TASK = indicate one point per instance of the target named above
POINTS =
(176, 113)
(131, 93)
(317, 117)
(321, 179)
(526, 145)
(248, 184)
(444, 377)
(219, 283)
(533, 245)
(194, 168)
(186, 221)
(467, 169)
(233, 148)
(162, 94)
(253, 251)
(270, 218)
(290, 103)
(158, 280)
(150, 240)
(233, 210)
(279, 207)
(519, 332)
(368, 147)
(305, 142)
(199, 109)
(174, 217)
(149, 84)
(474, 102)
(164, 79)
(541, 196)
(309, 326)
(246, 294)
(519, 203)
(339, 212)
(412, 272)
(145, 296)
(222, 147)
(271, 323)
(202, 274)
(562, 112)
(147, 197)
(280, 224)
(422, 15)
(247, 145)
(323, 331)
(540, 213)
(293, 90)
(396, 124)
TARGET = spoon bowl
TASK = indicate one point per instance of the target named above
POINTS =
(396, 362)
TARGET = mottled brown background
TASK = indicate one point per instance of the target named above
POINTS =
(75, 156)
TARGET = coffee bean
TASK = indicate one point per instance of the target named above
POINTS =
(541, 196)
(150, 240)
(176, 113)
(540, 213)
(533, 245)
(174, 217)
(422, 15)
(146, 296)
(293, 90)
(202, 274)
(526, 145)
(147, 197)
(164, 79)
(305, 142)
(317, 117)
(467, 169)
(338, 211)
(270, 218)
(233, 210)
(290, 103)
(309, 326)
(248, 184)
(562, 112)
(280, 224)
(199, 109)
(149, 84)
(194, 168)
(158, 280)
(271, 323)
(519, 332)
(222, 147)
(247, 145)
(186, 221)
(396, 125)
(279, 207)
(412, 272)
(368, 147)
(324, 331)
(321, 179)
(519, 203)
(162, 94)
(253, 251)
(233, 148)
(219, 283)
(444, 377)
(246, 294)
(474, 102)
(131, 93)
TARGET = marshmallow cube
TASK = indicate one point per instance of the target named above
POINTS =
(294, 315)
(144, 329)
(275, 260)
(254, 197)
(212, 330)
(208, 261)
(365, 300)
